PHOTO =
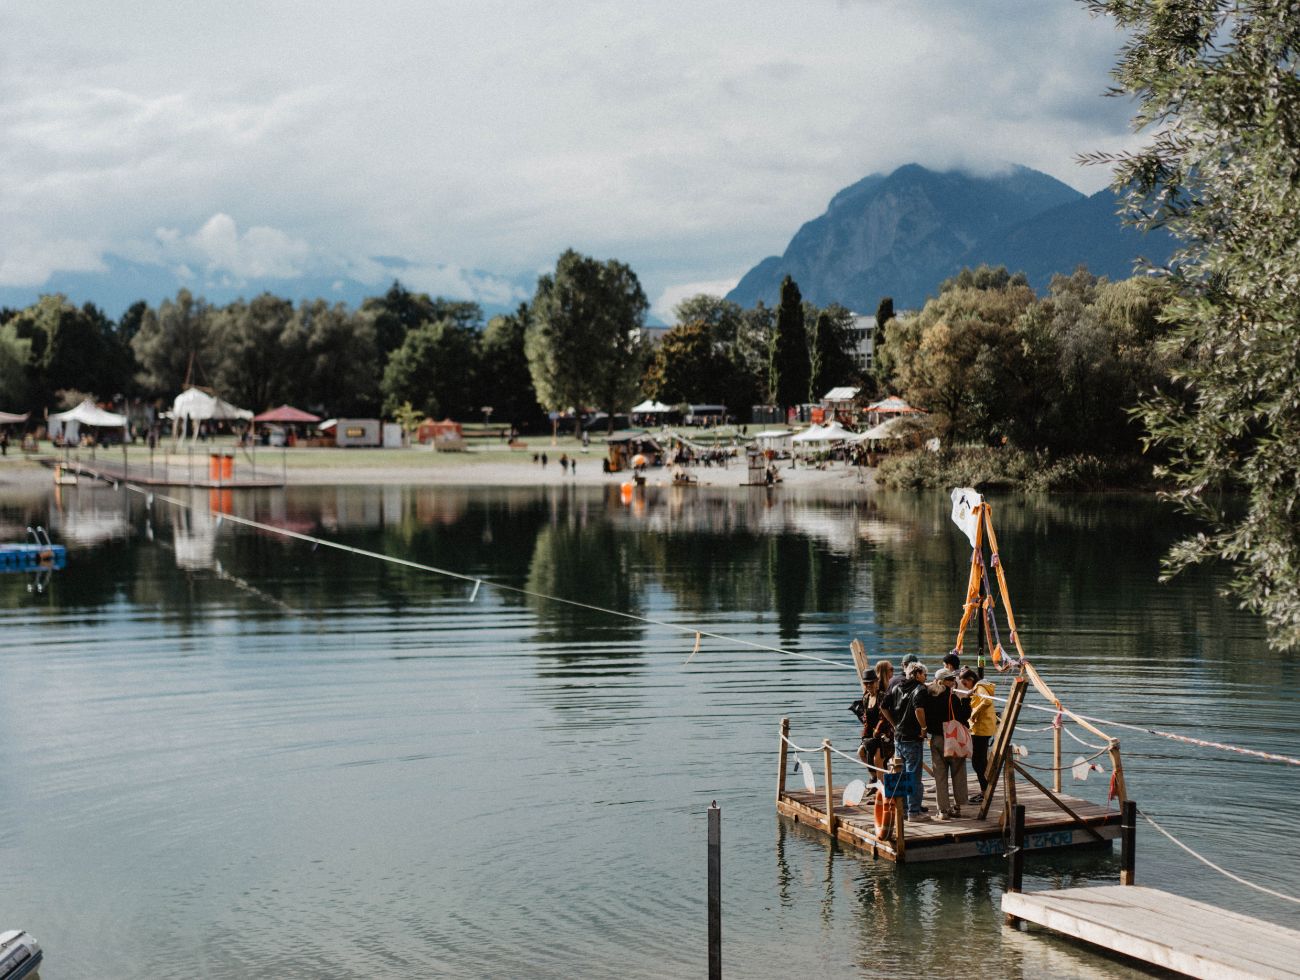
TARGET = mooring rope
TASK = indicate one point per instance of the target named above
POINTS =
(1210, 864)
(1062, 768)
(479, 582)
(1202, 742)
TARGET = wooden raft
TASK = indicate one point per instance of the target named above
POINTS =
(1047, 827)
(1167, 930)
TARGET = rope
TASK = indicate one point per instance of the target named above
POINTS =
(854, 758)
(800, 748)
(1087, 745)
(1062, 768)
(1223, 871)
(1203, 743)
(478, 582)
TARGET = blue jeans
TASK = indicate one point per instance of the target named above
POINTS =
(910, 753)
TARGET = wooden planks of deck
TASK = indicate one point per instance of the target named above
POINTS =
(1046, 825)
(1166, 930)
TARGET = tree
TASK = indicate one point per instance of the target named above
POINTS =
(788, 370)
(175, 345)
(261, 346)
(15, 380)
(399, 311)
(1216, 84)
(507, 384)
(830, 351)
(340, 361)
(960, 355)
(435, 370)
(71, 349)
(584, 335)
(685, 367)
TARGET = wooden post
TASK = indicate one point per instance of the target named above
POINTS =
(782, 758)
(1016, 855)
(1056, 755)
(715, 892)
(1120, 789)
(900, 804)
(1128, 837)
(1002, 744)
(830, 789)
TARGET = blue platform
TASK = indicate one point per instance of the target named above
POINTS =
(14, 557)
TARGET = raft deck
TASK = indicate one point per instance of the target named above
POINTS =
(1047, 826)
(1167, 930)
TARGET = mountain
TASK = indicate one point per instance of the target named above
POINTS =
(122, 281)
(902, 234)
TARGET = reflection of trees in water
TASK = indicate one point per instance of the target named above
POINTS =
(591, 562)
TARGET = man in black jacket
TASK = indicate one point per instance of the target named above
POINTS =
(908, 731)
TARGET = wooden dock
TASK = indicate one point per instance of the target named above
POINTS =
(1163, 929)
(161, 475)
(1047, 827)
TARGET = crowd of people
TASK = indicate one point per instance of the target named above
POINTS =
(954, 713)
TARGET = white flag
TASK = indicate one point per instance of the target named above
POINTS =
(964, 502)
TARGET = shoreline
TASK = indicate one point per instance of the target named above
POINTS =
(490, 468)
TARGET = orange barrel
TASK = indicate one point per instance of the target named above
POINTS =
(625, 493)
(227, 501)
(228, 466)
(214, 467)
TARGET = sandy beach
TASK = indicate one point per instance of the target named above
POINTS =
(478, 466)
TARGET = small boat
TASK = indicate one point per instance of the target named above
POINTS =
(20, 954)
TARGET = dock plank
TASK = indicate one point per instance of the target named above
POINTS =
(1047, 826)
(1164, 929)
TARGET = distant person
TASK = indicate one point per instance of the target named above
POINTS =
(938, 705)
(543, 460)
(983, 726)
(4, 443)
(564, 464)
(909, 731)
(877, 744)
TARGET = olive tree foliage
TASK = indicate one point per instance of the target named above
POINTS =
(1218, 91)
(584, 335)
(961, 356)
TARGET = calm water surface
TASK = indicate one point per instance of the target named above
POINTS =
(224, 753)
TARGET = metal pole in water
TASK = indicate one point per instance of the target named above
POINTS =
(1128, 848)
(1016, 855)
(715, 892)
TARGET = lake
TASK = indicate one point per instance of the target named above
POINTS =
(227, 753)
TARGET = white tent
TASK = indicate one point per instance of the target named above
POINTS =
(774, 439)
(200, 406)
(650, 407)
(811, 434)
(68, 424)
(899, 427)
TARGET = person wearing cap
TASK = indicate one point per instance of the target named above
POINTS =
(901, 676)
(937, 705)
(909, 730)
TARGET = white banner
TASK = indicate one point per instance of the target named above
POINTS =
(964, 515)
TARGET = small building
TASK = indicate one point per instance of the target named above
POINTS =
(350, 433)
(862, 332)
(705, 415)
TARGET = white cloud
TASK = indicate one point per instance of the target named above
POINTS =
(689, 140)
(674, 294)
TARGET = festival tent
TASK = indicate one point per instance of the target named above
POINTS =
(286, 415)
(201, 407)
(68, 424)
(776, 439)
(831, 432)
(891, 406)
(650, 407)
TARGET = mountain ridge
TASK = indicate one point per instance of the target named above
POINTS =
(901, 234)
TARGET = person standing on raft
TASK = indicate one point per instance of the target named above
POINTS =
(937, 705)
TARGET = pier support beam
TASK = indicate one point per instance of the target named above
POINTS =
(1128, 843)
(715, 892)
(1016, 855)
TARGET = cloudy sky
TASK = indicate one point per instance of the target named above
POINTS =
(467, 144)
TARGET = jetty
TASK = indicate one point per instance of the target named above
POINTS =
(1163, 929)
(216, 471)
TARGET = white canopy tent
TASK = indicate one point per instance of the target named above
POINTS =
(67, 425)
(650, 407)
(775, 439)
(194, 405)
(831, 432)
(811, 434)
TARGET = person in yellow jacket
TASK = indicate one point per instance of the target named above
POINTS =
(983, 724)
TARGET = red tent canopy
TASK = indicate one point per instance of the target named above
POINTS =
(286, 413)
